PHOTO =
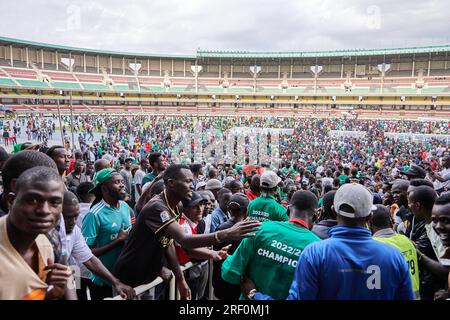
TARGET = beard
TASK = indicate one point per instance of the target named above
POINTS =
(116, 195)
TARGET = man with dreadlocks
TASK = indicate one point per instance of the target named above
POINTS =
(106, 225)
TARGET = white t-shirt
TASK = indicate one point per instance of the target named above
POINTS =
(444, 174)
(327, 181)
(77, 247)
(436, 243)
(138, 176)
(84, 209)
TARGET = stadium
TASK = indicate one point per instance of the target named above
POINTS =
(222, 151)
(408, 83)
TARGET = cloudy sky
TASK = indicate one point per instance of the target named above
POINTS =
(183, 26)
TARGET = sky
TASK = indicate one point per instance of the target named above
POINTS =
(184, 26)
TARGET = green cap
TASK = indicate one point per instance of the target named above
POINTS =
(102, 176)
(17, 147)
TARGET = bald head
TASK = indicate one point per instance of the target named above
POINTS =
(101, 164)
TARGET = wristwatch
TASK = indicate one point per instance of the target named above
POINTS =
(251, 294)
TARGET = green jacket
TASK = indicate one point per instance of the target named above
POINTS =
(266, 208)
(269, 259)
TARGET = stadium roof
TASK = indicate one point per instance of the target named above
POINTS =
(234, 54)
(41, 45)
(315, 54)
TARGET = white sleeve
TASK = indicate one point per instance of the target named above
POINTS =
(80, 251)
(138, 177)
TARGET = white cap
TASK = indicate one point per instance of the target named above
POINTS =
(269, 179)
(357, 197)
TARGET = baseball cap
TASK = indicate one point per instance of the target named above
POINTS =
(415, 171)
(227, 180)
(269, 179)
(213, 184)
(195, 199)
(103, 176)
(238, 201)
(200, 184)
(357, 197)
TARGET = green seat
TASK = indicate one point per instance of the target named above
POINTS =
(7, 82)
(240, 90)
(269, 90)
(123, 87)
(211, 89)
(152, 88)
(32, 83)
(434, 90)
(361, 90)
(405, 90)
(181, 89)
(66, 85)
(95, 86)
(298, 90)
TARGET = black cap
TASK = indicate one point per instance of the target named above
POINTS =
(415, 171)
(195, 200)
(238, 201)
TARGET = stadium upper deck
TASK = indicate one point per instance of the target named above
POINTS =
(38, 75)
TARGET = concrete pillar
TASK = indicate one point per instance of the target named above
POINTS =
(11, 55)
(28, 59)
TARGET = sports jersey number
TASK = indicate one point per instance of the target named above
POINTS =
(285, 248)
(412, 267)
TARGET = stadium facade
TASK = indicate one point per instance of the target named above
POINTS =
(400, 82)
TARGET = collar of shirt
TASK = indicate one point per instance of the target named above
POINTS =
(300, 222)
(110, 206)
(384, 233)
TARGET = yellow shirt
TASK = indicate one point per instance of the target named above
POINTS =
(18, 280)
(408, 250)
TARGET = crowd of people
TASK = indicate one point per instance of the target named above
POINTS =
(332, 217)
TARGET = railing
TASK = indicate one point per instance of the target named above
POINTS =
(173, 292)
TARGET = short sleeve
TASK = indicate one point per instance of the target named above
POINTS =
(157, 217)
(138, 177)
(80, 251)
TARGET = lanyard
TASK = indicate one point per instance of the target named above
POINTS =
(300, 222)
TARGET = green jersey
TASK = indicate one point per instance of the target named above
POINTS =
(269, 258)
(101, 226)
(266, 208)
(342, 178)
(149, 177)
(408, 250)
